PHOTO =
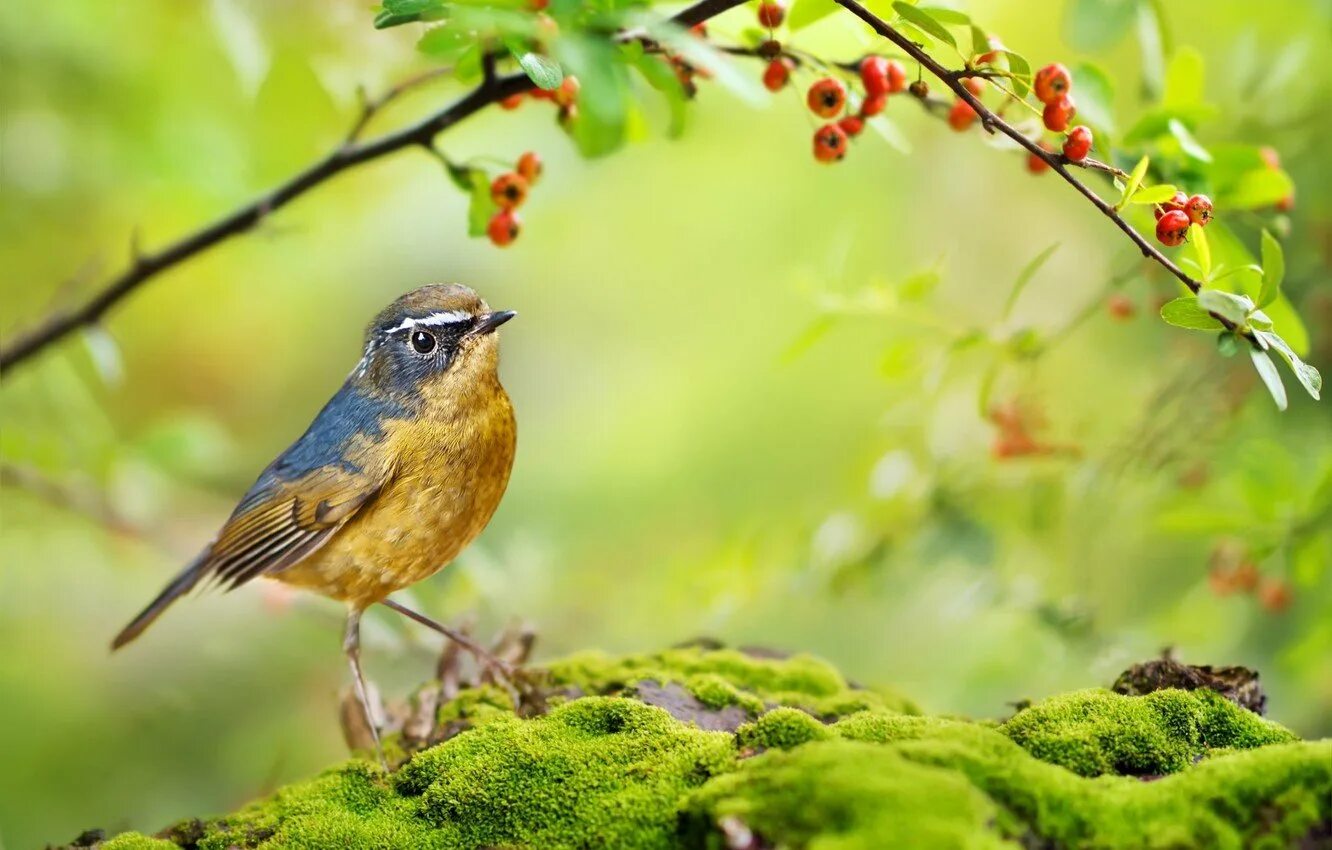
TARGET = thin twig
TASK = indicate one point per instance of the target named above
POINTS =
(349, 154)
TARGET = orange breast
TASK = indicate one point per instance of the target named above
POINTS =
(450, 472)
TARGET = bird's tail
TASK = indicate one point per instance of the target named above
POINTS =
(179, 586)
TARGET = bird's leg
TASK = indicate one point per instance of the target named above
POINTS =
(351, 646)
(501, 670)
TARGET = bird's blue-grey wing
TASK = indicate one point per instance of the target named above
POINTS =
(310, 491)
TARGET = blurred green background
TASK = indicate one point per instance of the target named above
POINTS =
(741, 414)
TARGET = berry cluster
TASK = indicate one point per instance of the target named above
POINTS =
(1233, 571)
(829, 99)
(508, 191)
(1053, 87)
(565, 96)
(1175, 215)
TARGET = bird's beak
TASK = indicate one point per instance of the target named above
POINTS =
(490, 321)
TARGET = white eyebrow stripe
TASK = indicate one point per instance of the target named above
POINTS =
(451, 317)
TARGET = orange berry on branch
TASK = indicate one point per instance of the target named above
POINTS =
(961, 116)
(1172, 228)
(1051, 83)
(777, 74)
(1246, 577)
(1175, 203)
(975, 85)
(1286, 204)
(511, 102)
(897, 77)
(1058, 113)
(1078, 144)
(509, 190)
(1274, 595)
(827, 97)
(996, 47)
(530, 166)
(874, 75)
(503, 228)
(920, 89)
(829, 143)
(699, 29)
(852, 125)
(771, 14)
(1120, 307)
(873, 105)
(1199, 209)
(1038, 164)
(567, 92)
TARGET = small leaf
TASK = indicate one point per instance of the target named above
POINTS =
(541, 70)
(1274, 270)
(1233, 308)
(1134, 181)
(1228, 344)
(946, 16)
(1267, 370)
(1307, 375)
(397, 12)
(1096, 96)
(1255, 189)
(1202, 250)
(1020, 68)
(1186, 312)
(1024, 277)
(924, 21)
(806, 12)
(1187, 142)
(482, 207)
(980, 42)
(1157, 194)
(461, 175)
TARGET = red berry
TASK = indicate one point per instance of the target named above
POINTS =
(540, 5)
(513, 101)
(530, 166)
(1172, 228)
(1271, 157)
(995, 47)
(777, 74)
(1175, 203)
(1038, 164)
(873, 105)
(771, 14)
(1058, 113)
(852, 125)
(1274, 595)
(504, 227)
(961, 116)
(1199, 209)
(874, 75)
(897, 76)
(1051, 83)
(509, 190)
(975, 85)
(826, 97)
(1120, 307)
(567, 92)
(1078, 144)
(770, 49)
(1246, 576)
(829, 143)
(700, 29)
(1287, 203)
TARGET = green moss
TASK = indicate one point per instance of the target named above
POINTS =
(1096, 732)
(798, 680)
(783, 729)
(137, 841)
(611, 771)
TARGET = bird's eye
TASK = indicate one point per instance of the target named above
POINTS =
(422, 342)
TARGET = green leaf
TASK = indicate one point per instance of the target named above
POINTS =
(1157, 194)
(1020, 68)
(460, 175)
(924, 21)
(445, 42)
(1231, 307)
(1186, 141)
(661, 76)
(397, 12)
(1186, 312)
(1228, 344)
(1153, 45)
(1255, 189)
(1202, 250)
(1094, 25)
(1096, 96)
(1134, 181)
(1274, 270)
(1267, 370)
(1307, 375)
(482, 207)
(541, 70)
(946, 16)
(1024, 277)
(980, 41)
(806, 12)
(1184, 79)
(699, 53)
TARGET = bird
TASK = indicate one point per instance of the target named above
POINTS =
(396, 475)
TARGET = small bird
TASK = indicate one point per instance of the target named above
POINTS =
(396, 475)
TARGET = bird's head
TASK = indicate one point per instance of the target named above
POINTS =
(435, 339)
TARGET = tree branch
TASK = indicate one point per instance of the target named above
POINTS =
(351, 153)
(992, 122)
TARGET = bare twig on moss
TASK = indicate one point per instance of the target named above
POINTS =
(145, 266)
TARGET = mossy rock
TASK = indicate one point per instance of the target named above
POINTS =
(698, 748)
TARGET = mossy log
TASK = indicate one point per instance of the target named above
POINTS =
(712, 748)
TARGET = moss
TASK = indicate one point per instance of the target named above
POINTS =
(1096, 732)
(605, 768)
(783, 729)
(137, 841)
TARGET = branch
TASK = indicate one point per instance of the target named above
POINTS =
(992, 122)
(145, 266)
